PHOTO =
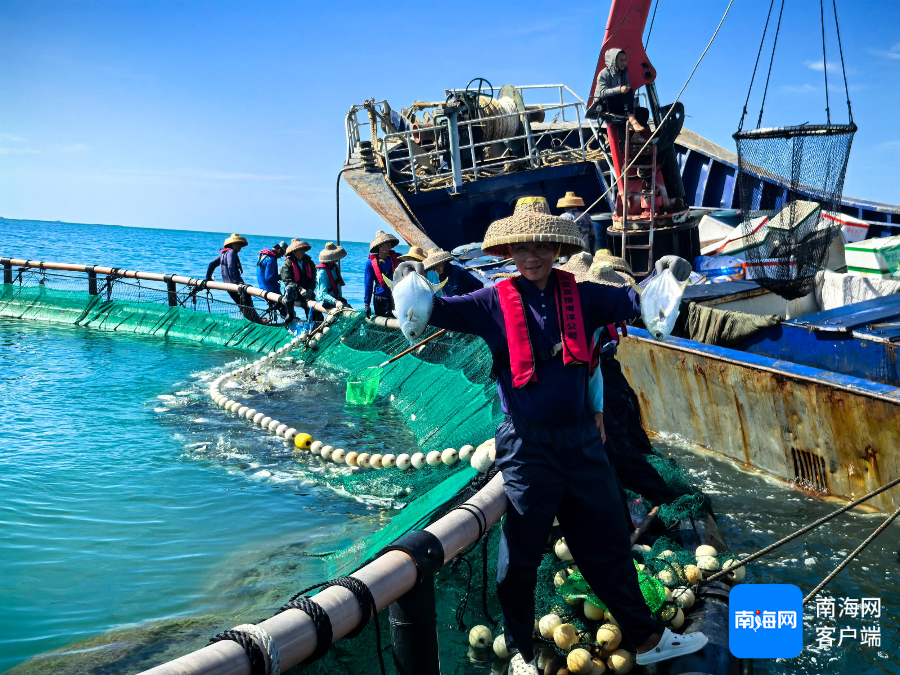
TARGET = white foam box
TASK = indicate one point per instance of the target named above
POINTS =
(852, 229)
(799, 219)
(875, 258)
(740, 239)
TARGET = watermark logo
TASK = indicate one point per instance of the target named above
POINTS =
(765, 621)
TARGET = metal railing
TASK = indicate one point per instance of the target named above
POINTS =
(567, 112)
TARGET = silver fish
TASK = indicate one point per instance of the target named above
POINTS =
(660, 300)
(413, 298)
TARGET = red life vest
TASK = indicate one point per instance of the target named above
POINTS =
(300, 272)
(571, 327)
(334, 285)
(373, 259)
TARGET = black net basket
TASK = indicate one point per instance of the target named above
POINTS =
(789, 178)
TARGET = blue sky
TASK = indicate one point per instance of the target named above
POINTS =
(229, 116)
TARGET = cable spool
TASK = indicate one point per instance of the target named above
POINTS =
(497, 128)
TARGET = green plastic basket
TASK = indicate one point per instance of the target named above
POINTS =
(362, 387)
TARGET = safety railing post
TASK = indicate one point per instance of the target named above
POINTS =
(527, 123)
(172, 293)
(455, 160)
(92, 280)
(414, 638)
(7, 271)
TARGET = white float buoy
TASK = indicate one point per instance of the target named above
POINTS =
(326, 452)
(620, 662)
(289, 434)
(273, 425)
(375, 460)
(465, 453)
(362, 459)
(418, 460)
(257, 418)
(481, 460)
(316, 447)
(705, 550)
(708, 564)
(678, 620)
(449, 456)
(433, 458)
(737, 575)
(242, 411)
(565, 635)
(480, 636)
(592, 612)
(684, 597)
(250, 413)
(500, 647)
(403, 462)
(548, 624)
(560, 578)
(338, 456)
(561, 548)
(609, 636)
(388, 460)
(578, 662)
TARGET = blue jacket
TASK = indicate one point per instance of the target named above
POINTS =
(267, 271)
(231, 267)
(325, 292)
(370, 281)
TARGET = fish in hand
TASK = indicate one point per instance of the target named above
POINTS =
(413, 298)
(660, 300)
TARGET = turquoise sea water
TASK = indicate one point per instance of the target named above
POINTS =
(129, 504)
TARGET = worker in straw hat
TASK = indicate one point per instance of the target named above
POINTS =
(548, 448)
(329, 283)
(414, 254)
(439, 266)
(574, 210)
(231, 270)
(383, 261)
(615, 407)
(298, 274)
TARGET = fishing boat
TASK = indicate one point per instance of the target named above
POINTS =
(812, 400)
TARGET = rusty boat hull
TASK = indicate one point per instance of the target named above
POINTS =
(835, 434)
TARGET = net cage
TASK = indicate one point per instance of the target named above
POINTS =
(788, 238)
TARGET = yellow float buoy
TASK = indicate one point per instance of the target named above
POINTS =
(678, 620)
(579, 662)
(548, 624)
(611, 619)
(609, 636)
(620, 662)
(599, 666)
(693, 574)
(565, 635)
(480, 637)
(303, 441)
(592, 612)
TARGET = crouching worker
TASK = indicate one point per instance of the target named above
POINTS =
(298, 274)
(548, 448)
(382, 263)
(328, 281)
(231, 270)
(440, 266)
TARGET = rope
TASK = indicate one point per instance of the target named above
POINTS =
(671, 109)
(771, 61)
(756, 65)
(841, 51)
(804, 530)
(824, 59)
(251, 649)
(324, 632)
(850, 557)
(267, 642)
(650, 31)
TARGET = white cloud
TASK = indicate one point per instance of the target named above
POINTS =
(818, 66)
(19, 151)
(889, 144)
(205, 175)
(892, 53)
(10, 138)
(799, 89)
(74, 147)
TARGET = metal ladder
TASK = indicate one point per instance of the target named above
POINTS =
(652, 198)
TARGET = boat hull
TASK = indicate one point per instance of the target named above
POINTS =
(835, 433)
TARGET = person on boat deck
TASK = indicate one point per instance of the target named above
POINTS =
(298, 274)
(329, 281)
(383, 261)
(615, 94)
(439, 266)
(548, 449)
(267, 267)
(231, 270)
(574, 211)
(617, 412)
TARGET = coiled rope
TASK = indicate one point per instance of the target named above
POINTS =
(251, 649)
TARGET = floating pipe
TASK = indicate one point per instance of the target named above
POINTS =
(389, 577)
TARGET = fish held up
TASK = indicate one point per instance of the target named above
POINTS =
(413, 298)
(660, 300)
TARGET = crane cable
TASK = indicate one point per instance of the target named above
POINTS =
(671, 109)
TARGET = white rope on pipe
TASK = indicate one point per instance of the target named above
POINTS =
(266, 643)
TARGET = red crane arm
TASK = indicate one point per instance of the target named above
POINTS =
(625, 30)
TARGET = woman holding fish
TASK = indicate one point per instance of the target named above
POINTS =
(549, 448)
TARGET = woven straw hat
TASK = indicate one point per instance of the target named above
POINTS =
(414, 253)
(586, 267)
(569, 201)
(532, 221)
(619, 264)
(235, 239)
(382, 238)
(435, 257)
(297, 245)
(331, 253)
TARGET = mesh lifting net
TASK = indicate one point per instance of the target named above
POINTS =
(788, 243)
(788, 178)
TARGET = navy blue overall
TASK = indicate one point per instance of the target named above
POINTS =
(553, 462)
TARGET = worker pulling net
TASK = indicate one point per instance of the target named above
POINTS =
(787, 231)
(788, 234)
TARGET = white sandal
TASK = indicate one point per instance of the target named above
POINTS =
(518, 666)
(673, 645)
